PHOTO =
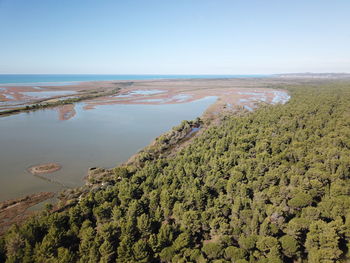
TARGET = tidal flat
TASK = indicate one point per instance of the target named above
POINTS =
(106, 130)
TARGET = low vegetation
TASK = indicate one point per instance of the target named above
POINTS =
(59, 102)
(167, 143)
(268, 186)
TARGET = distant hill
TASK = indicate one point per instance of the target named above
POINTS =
(315, 75)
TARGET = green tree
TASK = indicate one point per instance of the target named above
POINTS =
(141, 251)
(64, 255)
(234, 253)
(300, 200)
(212, 250)
(322, 243)
(289, 245)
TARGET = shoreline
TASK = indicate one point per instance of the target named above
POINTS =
(17, 99)
(15, 211)
(180, 138)
(165, 144)
(124, 77)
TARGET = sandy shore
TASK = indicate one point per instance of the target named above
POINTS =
(245, 92)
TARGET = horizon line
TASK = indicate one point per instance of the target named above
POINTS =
(176, 74)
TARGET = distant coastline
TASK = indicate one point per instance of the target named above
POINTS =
(70, 79)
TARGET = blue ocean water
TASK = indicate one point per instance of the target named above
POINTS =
(69, 78)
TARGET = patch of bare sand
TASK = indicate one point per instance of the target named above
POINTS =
(66, 112)
(45, 168)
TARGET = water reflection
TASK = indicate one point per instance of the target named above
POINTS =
(105, 136)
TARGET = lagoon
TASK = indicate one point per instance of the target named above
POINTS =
(104, 137)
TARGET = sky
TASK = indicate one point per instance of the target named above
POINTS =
(174, 36)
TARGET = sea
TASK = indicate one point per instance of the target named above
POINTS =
(67, 79)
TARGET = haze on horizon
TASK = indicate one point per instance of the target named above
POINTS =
(174, 37)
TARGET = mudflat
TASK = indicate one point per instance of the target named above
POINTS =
(15, 99)
(16, 210)
(45, 168)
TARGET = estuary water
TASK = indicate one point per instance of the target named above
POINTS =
(104, 137)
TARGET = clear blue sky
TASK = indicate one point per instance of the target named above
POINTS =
(174, 36)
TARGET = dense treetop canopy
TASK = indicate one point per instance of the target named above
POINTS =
(268, 186)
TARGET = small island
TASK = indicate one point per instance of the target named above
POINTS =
(45, 168)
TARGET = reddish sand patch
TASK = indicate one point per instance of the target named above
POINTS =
(45, 168)
(66, 112)
(245, 92)
(230, 96)
(182, 91)
(14, 96)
